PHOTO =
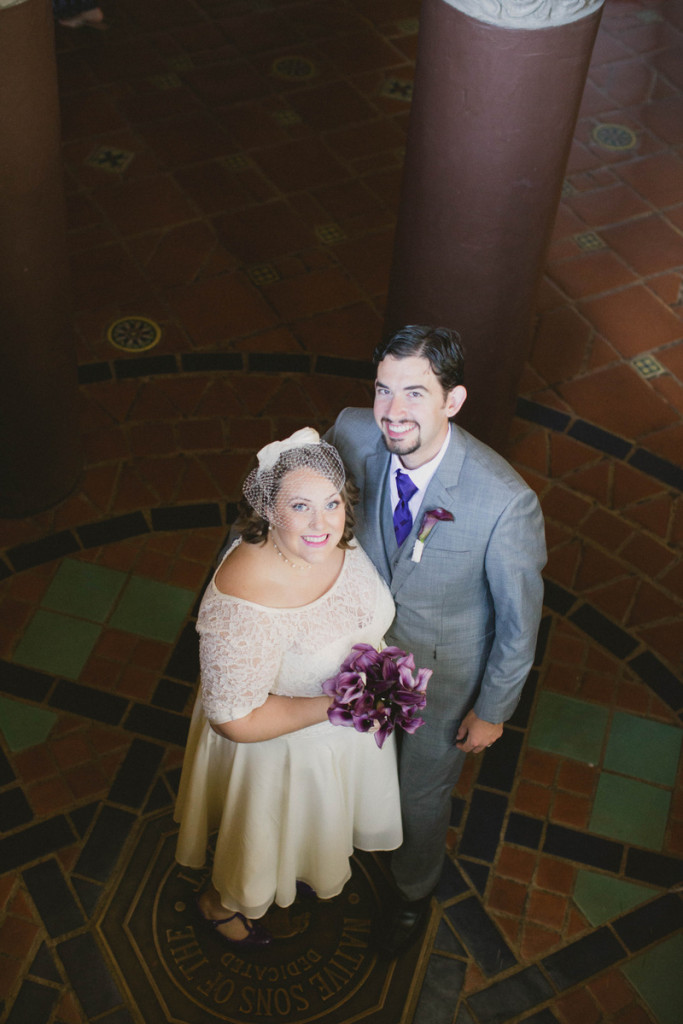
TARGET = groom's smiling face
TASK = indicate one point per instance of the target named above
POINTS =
(411, 409)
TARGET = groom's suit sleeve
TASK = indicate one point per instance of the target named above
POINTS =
(515, 556)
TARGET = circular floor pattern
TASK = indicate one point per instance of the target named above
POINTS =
(134, 334)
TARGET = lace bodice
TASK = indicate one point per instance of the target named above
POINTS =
(248, 650)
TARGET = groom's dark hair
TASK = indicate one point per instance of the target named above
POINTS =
(440, 345)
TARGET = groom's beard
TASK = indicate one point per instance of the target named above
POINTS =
(398, 446)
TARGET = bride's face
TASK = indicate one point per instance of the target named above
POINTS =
(311, 516)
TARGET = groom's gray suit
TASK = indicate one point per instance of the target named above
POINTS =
(469, 610)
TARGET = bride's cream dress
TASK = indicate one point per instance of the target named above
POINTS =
(293, 807)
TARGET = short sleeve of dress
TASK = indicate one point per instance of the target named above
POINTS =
(240, 651)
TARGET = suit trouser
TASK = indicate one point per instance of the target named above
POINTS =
(429, 768)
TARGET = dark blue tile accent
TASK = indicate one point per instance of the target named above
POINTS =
(144, 366)
(524, 831)
(522, 713)
(157, 724)
(37, 552)
(53, 898)
(110, 531)
(511, 997)
(668, 472)
(34, 1003)
(82, 817)
(557, 598)
(655, 868)
(137, 773)
(659, 679)
(360, 369)
(484, 825)
(478, 873)
(278, 362)
(499, 763)
(583, 847)
(35, 841)
(184, 662)
(5, 570)
(44, 967)
(89, 975)
(15, 809)
(102, 850)
(171, 696)
(617, 641)
(464, 1016)
(451, 883)
(440, 991)
(92, 373)
(480, 935)
(186, 517)
(603, 440)
(583, 958)
(231, 511)
(542, 1017)
(6, 771)
(88, 893)
(457, 810)
(82, 700)
(647, 924)
(542, 639)
(541, 414)
(23, 682)
(209, 362)
(159, 797)
(172, 778)
(446, 942)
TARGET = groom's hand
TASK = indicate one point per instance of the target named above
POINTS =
(475, 735)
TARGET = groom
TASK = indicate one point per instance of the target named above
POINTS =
(468, 599)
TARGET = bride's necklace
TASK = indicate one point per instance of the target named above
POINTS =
(293, 565)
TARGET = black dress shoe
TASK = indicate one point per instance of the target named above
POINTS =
(401, 925)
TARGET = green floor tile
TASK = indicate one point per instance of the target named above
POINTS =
(632, 811)
(88, 591)
(644, 749)
(601, 898)
(56, 644)
(151, 609)
(569, 727)
(24, 726)
(656, 975)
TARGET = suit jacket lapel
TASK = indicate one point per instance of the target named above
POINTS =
(376, 469)
(439, 493)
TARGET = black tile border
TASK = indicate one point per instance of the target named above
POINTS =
(559, 422)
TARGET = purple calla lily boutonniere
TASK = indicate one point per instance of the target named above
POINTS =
(431, 517)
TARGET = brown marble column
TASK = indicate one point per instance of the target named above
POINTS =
(491, 125)
(40, 456)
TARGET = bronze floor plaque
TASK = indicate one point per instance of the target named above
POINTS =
(322, 965)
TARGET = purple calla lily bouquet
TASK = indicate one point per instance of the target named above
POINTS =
(376, 690)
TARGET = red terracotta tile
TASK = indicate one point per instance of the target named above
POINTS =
(651, 605)
(260, 233)
(352, 330)
(671, 390)
(531, 451)
(507, 896)
(368, 260)
(305, 163)
(35, 763)
(627, 405)
(563, 562)
(566, 455)
(615, 599)
(633, 320)
(592, 274)
(49, 796)
(648, 244)
(597, 567)
(570, 809)
(515, 863)
(560, 344)
(648, 555)
(532, 799)
(595, 481)
(666, 641)
(634, 1014)
(577, 777)
(612, 991)
(559, 503)
(87, 785)
(537, 941)
(555, 875)
(655, 515)
(668, 443)
(312, 293)
(355, 52)
(508, 926)
(17, 936)
(578, 1007)
(220, 308)
(632, 697)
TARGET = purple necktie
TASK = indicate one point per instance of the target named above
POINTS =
(403, 521)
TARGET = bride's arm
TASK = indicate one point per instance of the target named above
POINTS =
(279, 715)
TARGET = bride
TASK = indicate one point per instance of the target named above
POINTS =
(289, 794)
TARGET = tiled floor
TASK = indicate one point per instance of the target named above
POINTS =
(232, 170)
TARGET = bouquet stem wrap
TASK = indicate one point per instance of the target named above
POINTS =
(378, 691)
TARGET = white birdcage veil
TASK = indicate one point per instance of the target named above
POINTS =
(266, 487)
